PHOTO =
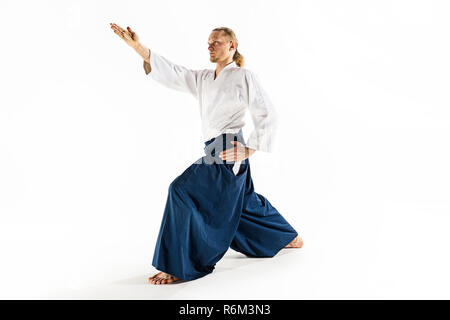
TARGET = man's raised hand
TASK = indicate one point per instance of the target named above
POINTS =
(129, 36)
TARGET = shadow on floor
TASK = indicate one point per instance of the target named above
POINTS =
(231, 261)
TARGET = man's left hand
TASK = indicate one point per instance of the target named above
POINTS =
(238, 153)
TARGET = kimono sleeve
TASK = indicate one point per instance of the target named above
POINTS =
(172, 75)
(263, 114)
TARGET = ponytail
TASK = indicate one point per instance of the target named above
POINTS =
(239, 59)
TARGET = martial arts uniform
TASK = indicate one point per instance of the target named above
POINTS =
(212, 205)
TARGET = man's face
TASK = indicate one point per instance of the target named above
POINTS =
(220, 48)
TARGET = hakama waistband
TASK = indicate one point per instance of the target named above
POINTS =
(214, 146)
(222, 142)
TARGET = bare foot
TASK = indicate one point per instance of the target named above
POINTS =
(296, 243)
(162, 278)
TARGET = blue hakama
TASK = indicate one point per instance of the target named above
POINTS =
(211, 208)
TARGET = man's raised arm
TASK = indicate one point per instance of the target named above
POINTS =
(158, 67)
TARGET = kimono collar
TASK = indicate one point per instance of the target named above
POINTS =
(230, 65)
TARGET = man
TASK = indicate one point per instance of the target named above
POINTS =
(212, 205)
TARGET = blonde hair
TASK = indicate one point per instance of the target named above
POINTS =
(237, 57)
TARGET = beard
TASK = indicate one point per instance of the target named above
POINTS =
(213, 58)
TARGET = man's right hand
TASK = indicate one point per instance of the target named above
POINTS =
(129, 36)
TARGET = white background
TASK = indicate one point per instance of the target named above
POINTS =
(89, 145)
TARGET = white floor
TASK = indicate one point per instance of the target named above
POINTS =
(235, 276)
(393, 261)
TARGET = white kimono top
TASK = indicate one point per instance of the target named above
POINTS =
(223, 101)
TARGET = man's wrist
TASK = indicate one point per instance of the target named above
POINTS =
(136, 47)
(143, 51)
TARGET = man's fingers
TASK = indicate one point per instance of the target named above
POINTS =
(233, 151)
(118, 33)
(132, 33)
(122, 33)
(116, 29)
(115, 26)
(234, 158)
(121, 30)
(235, 154)
(229, 151)
(232, 155)
(128, 33)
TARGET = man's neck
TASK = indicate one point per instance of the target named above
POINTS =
(221, 65)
